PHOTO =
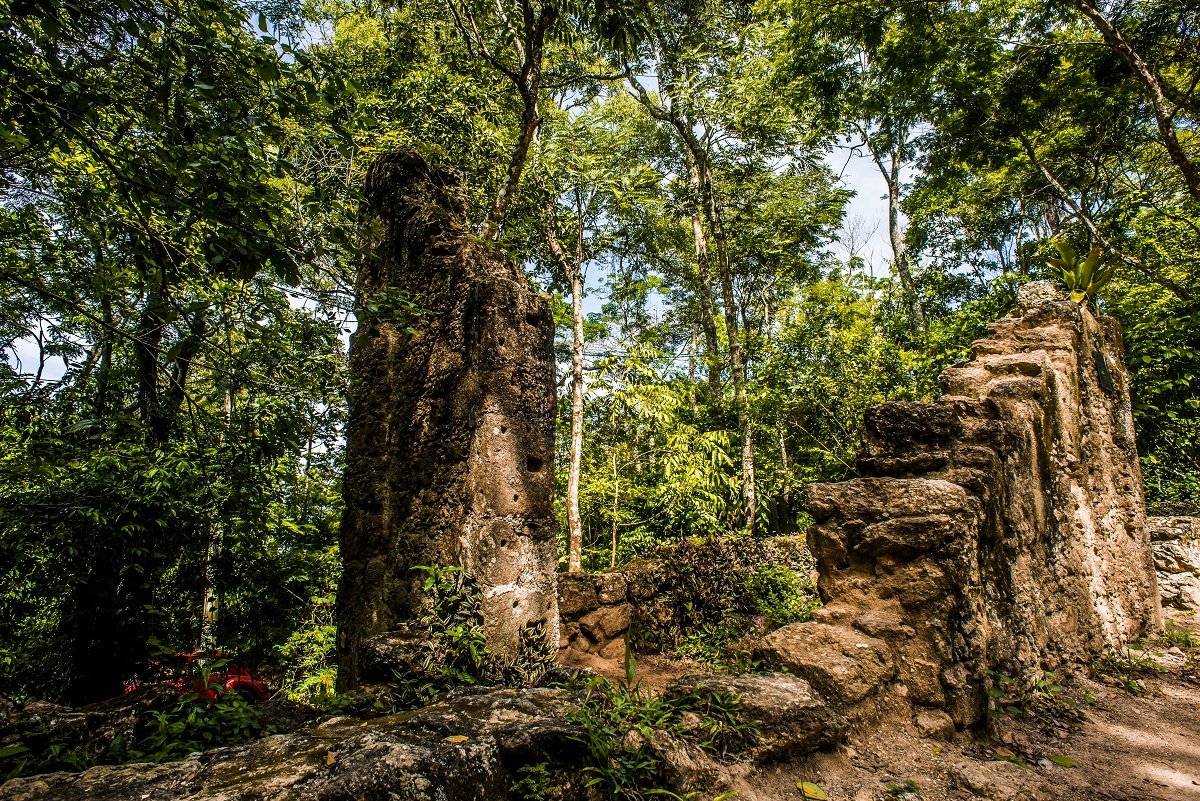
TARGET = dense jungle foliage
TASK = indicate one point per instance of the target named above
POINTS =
(178, 192)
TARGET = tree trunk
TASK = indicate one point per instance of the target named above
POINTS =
(149, 342)
(612, 562)
(528, 80)
(104, 374)
(210, 603)
(708, 323)
(890, 172)
(573, 272)
(1155, 87)
(736, 356)
(530, 123)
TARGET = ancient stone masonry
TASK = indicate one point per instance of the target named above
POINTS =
(450, 440)
(597, 609)
(1000, 529)
(1176, 544)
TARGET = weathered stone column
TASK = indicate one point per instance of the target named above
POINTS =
(450, 440)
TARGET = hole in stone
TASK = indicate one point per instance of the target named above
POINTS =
(503, 429)
(500, 342)
(516, 604)
(534, 464)
(503, 543)
(533, 318)
(516, 498)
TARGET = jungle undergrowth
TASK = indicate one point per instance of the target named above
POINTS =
(721, 593)
(624, 729)
(193, 723)
(1124, 666)
(448, 646)
(1041, 700)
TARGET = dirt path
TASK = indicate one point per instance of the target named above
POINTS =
(1131, 748)
(1126, 747)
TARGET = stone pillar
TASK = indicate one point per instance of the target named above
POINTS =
(450, 439)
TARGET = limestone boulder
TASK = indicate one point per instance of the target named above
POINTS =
(1179, 590)
(791, 718)
(1177, 557)
(576, 594)
(873, 499)
(840, 662)
(606, 623)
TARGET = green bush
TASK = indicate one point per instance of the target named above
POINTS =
(781, 595)
(718, 592)
(619, 722)
(197, 723)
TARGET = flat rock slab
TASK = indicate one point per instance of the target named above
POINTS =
(838, 661)
(460, 749)
(791, 718)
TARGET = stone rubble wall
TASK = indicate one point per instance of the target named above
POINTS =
(1176, 545)
(1001, 529)
(596, 609)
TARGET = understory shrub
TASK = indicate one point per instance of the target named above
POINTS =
(621, 725)
(192, 723)
(718, 592)
(448, 647)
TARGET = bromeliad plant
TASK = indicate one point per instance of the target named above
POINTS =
(1084, 277)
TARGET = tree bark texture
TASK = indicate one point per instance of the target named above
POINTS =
(450, 440)
(1164, 117)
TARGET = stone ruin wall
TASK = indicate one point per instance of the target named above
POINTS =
(1176, 545)
(450, 440)
(1002, 528)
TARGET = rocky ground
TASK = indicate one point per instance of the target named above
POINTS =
(1130, 731)
(1091, 740)
(1130, 748)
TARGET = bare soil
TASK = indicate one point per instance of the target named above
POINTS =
(1094, 741)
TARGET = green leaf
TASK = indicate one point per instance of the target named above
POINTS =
(1066, 762)
(811, 790)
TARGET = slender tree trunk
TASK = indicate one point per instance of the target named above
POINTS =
(1164, 117)
(736, 356)
(612, 562)
(783, 461)
(573, 271)
(210, 604)
(575, 470)
(700, 178)
(708, 322)
(149, 340)
(528, 80)
(104, 374)
(531, 121)
(692, 377)
(890, 172)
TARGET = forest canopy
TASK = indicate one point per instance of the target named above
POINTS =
(179, 195)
